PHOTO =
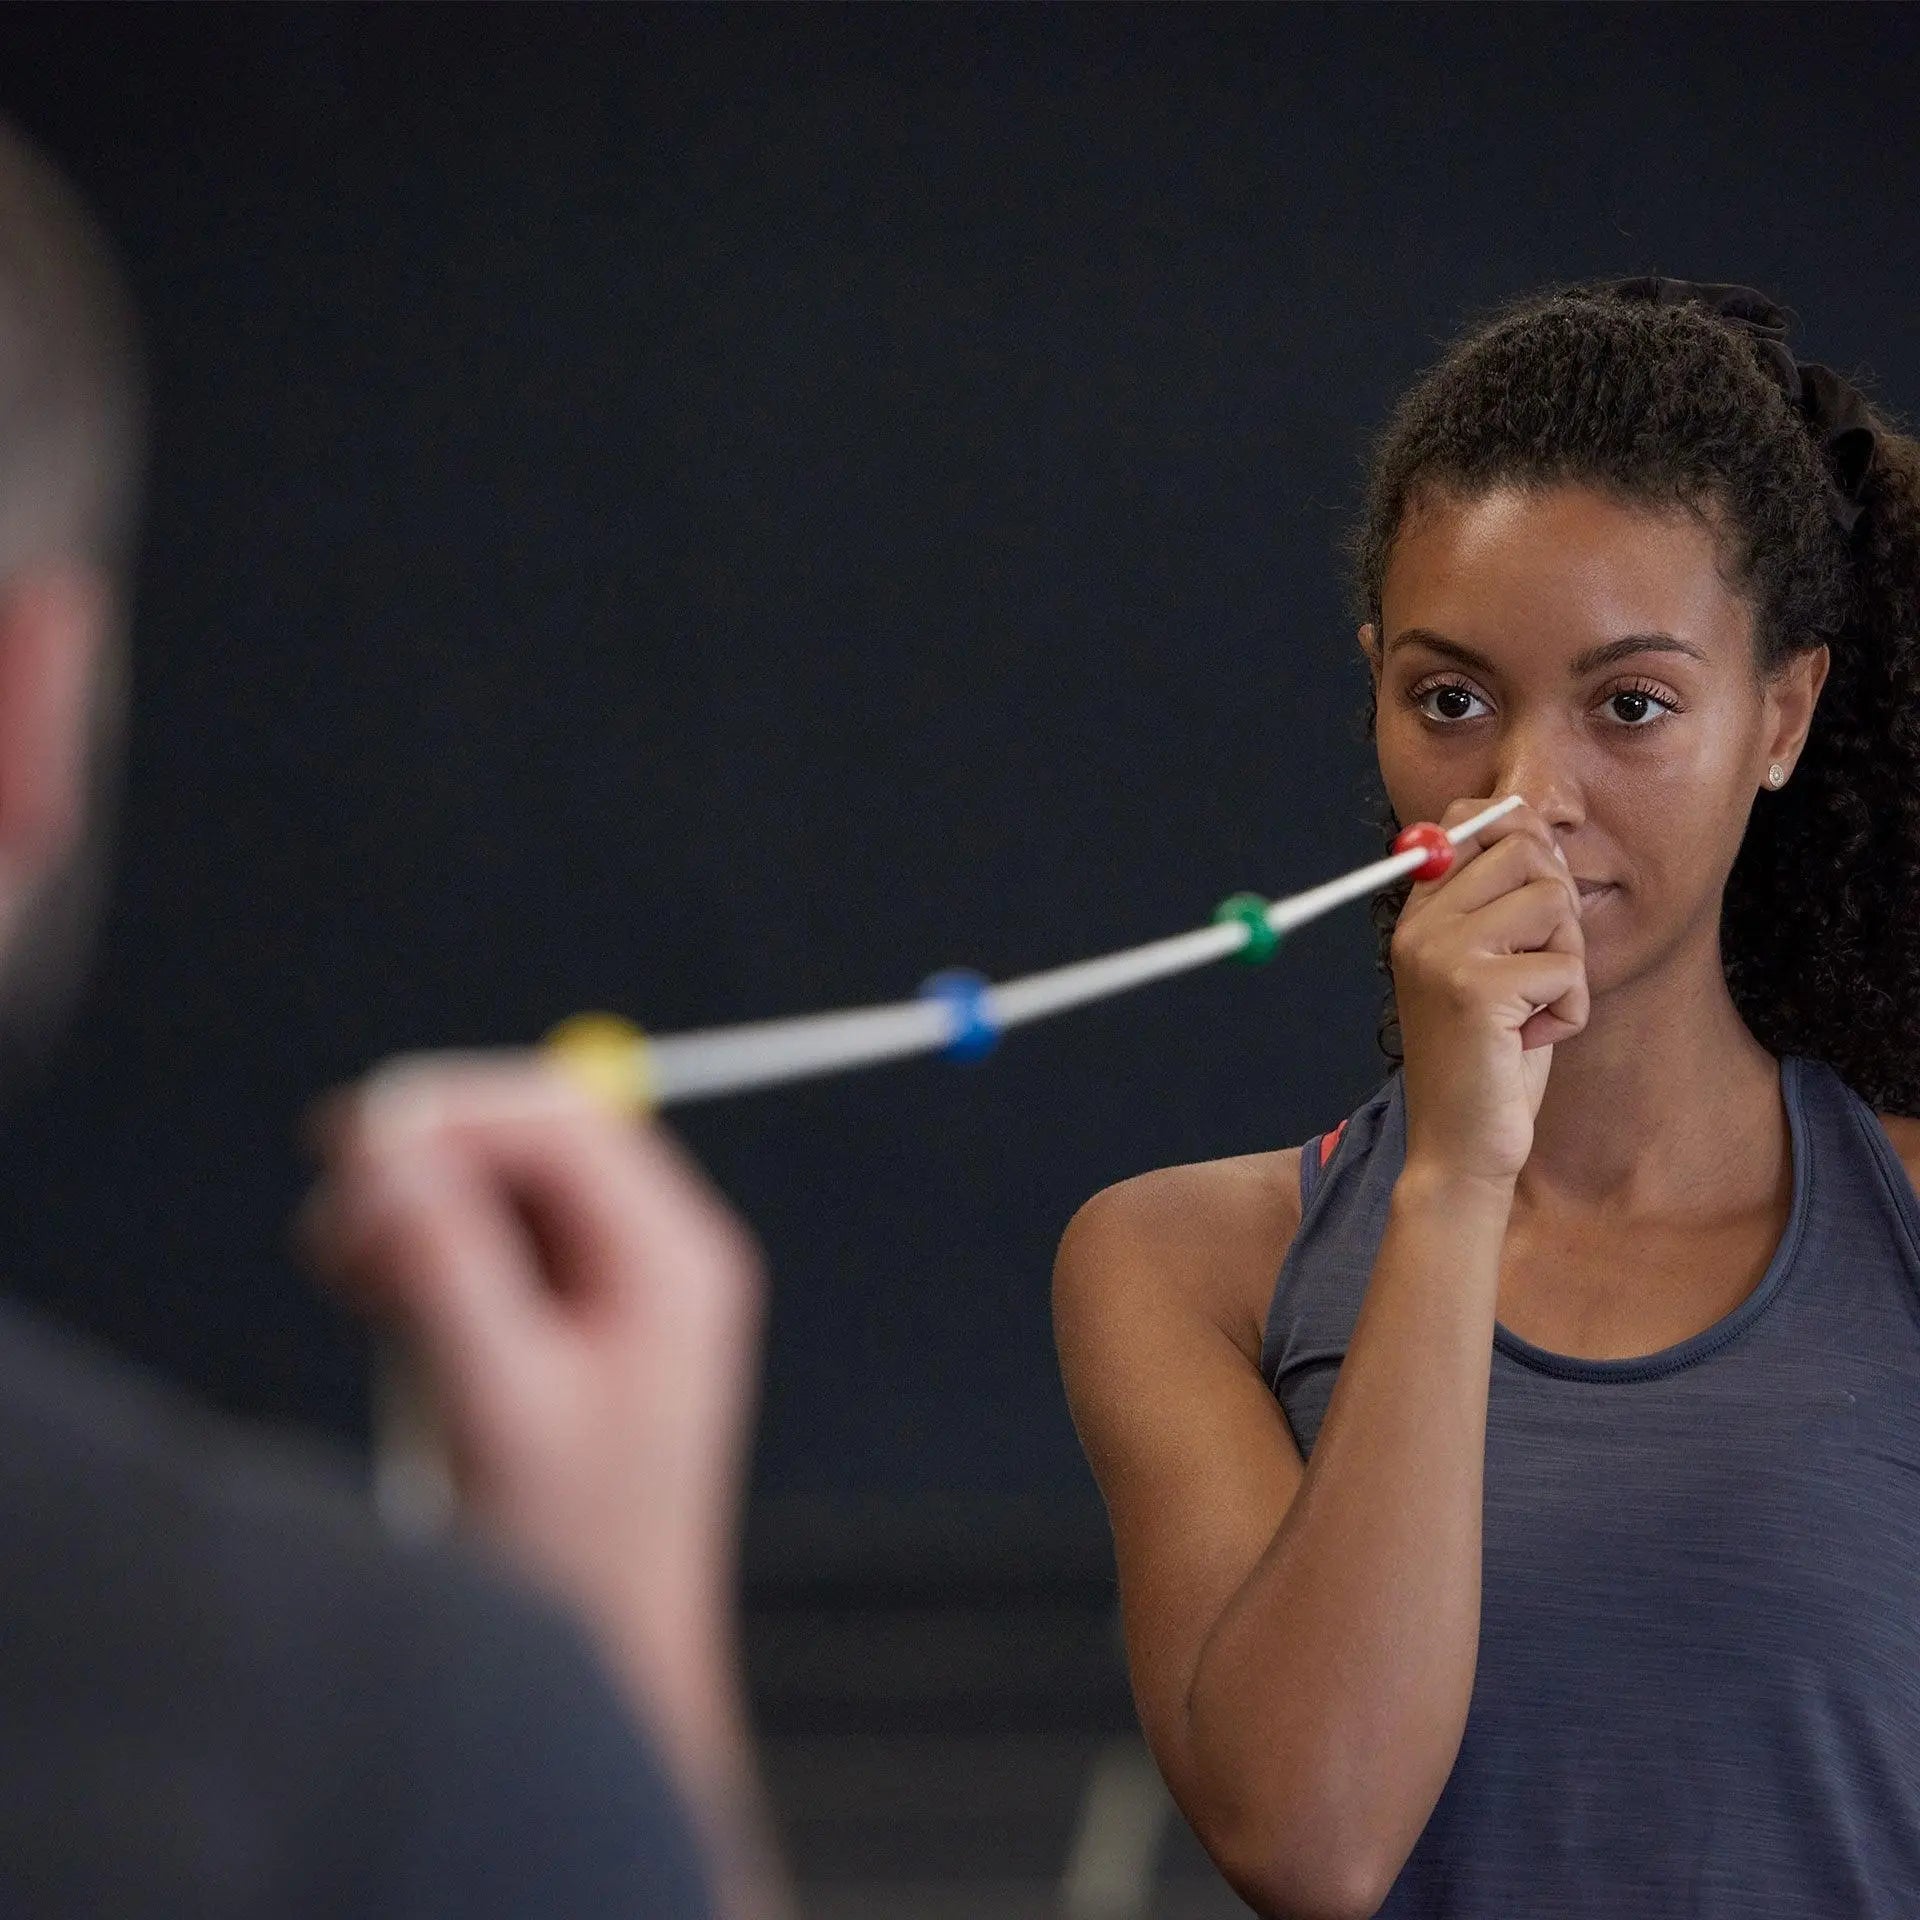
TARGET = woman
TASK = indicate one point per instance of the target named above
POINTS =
(1547, 1540)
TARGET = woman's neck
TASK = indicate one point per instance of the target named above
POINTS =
(1664, 1102)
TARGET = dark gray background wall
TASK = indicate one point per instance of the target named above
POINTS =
(715, 513)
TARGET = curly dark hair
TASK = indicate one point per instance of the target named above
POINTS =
(1672, 405)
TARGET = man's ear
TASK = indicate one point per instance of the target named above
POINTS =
(53, 628)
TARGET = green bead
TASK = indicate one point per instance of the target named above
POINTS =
(1251, 911)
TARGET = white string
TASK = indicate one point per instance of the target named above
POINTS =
(717, 1060)
(413, 1481)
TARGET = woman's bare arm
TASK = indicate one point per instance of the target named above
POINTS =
(1301, 1642)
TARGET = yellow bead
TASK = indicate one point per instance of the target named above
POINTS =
(608, 1057)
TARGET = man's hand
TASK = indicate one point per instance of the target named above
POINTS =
(586, 1314)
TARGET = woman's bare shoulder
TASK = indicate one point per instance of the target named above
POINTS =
(1905, 1135)
(1213, 1231)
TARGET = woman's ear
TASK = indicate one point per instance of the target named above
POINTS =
(1370, 646)
(1792, 697)
(53, 626)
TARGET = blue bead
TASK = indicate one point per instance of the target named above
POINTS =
(972, 1034)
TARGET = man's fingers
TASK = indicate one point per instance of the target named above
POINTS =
(409, 1096)
(419, 1240)
(608, 1201)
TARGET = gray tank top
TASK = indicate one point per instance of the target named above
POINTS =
(1698, 1689)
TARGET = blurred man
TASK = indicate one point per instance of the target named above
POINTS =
(222, 1690)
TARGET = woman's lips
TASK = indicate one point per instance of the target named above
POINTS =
(1594, 889)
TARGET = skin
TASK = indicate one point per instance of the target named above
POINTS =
(595, 1376)
(1664, 1119)
(1636, 1108)
(1302, 1639)
(586, 1312)
(55, 635)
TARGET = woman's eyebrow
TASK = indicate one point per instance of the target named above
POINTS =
(1591, 661)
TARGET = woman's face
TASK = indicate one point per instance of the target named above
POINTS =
(1587, 655)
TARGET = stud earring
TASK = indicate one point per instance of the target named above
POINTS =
(1776, 775)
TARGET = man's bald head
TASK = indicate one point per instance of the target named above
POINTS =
(70, 389)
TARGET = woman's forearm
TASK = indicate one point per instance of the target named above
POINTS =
(1329, 1699)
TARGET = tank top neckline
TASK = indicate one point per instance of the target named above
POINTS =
(1724, 1331)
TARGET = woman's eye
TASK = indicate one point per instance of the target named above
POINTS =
(1636, 707)
(1448, 703)
(1456, 702)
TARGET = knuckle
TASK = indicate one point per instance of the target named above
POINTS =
(1458, 984)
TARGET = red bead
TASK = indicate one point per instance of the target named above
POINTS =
(1439, 849)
